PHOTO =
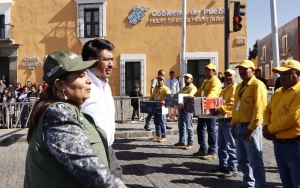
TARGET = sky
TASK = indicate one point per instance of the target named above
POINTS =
(259, 17)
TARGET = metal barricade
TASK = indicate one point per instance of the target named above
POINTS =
(123, 112)
(15, 114)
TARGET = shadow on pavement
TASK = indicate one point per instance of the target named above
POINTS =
(11, 139)
(128, 155)
(271, 169)
(137, 186)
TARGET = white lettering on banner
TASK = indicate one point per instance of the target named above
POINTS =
(216, 19)
(194, 12)
(166, 13)
(155, 21)
(216, 11)
(38, 64)
(31, 62)
(210, 15)
(199, 19)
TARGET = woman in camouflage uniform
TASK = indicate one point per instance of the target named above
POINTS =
(66, 149)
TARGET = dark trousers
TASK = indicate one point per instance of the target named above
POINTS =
(115, 167)
(135, 112)
(208, 125)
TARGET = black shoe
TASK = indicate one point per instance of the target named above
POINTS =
(168, 127)
(219, 169)
(230, 174)
(147, 128)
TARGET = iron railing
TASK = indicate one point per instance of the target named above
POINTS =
(6, 31)
(124, 109)
(16, 114)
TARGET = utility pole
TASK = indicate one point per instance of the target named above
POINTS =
(274, 36)
(226, 34)
(183, 40)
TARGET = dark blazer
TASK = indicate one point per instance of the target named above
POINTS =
(134, 102)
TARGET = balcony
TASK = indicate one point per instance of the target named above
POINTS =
(6, 31)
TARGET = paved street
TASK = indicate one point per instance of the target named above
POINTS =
(145, 164)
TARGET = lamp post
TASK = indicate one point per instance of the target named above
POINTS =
(183, 39)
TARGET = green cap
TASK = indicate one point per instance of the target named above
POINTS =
(60, 62)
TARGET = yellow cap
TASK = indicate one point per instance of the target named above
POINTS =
(287, 65)
(230, 71)
(188, 75)
(160, 77)
(210, 66)
(246, 64)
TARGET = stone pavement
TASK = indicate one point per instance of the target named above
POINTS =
(145, 163)
(148, 164)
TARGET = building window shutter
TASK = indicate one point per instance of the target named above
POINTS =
(90, 20)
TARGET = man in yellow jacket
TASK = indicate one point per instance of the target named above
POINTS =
(226, 143)
(210, 87)
(185, 118)
(158, 94)
(282, 123)
(250, 101)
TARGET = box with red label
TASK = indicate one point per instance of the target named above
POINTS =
(207, 105)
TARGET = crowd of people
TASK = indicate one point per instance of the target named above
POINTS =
(72, 127)
(30, 92)
(246, 119)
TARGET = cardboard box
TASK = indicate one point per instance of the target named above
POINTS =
(198, 106)
(153, 107)
(207, 104)
(172, 100)
(181, 96)
(191, 103)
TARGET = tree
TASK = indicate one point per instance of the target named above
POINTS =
(253, 52)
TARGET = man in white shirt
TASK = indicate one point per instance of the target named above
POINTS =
(101, 104)
(173, 84)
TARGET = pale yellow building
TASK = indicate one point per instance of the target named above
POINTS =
(146, 33)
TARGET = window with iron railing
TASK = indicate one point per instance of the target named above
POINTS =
(267, 71)
(90, 20)
(2, 27)
(284, 48)
(132, 75)
(264, 54)
(196, 68)
(91, 23)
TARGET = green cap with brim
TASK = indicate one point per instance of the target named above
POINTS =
(61, 62)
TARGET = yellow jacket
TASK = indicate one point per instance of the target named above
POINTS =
(228, 96)
(253, 100)
(191, 90)
(159, 93)
(211, 87)
(282, 114)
